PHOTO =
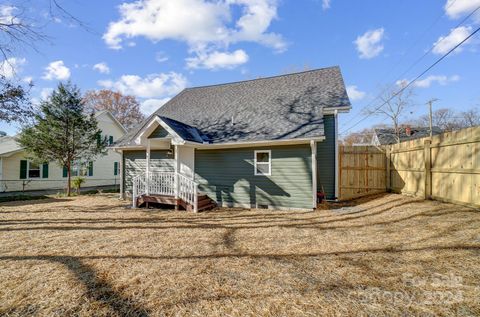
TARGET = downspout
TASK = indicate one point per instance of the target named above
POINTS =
(313, 146)
(336, 155)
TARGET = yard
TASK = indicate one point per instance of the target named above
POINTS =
(91, 255)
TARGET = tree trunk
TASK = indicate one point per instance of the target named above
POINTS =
(69, 183)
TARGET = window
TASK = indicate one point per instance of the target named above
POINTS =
(79, 169)
(33, 170)
(110, 139)
(263, 163)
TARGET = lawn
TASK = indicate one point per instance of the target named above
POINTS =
(92, 255)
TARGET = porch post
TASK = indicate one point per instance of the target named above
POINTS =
(122, 195)
(177, 170)
(313, 146)
(147, 175)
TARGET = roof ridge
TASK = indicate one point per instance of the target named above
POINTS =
(264, 78)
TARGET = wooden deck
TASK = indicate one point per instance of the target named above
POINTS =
(204, 202)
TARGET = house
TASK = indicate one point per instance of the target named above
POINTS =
(386, 136)
(17, 173)
(262, 143)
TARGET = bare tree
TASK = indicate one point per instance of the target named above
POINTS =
(444, 118)
(470, 118)
(21, 27)
(125, 108)
(395, 103)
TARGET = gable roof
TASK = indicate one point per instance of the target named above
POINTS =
(115, 120)
(387, 136)
(265, 109)
(8, 146)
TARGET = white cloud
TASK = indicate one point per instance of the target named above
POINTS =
(27, 79)
(152, 86)
(151, 105)
(217, 60)
(457, 8)
(428, 81)
(102, 68)
(161, 57)
(325, 4)
(45, 93)
(11, 67)
(445, 43)
(370, 44)
(204, 25)
(354, 93)
(56, 70)
(7, 15)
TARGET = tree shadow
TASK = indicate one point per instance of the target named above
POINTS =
(97, 289)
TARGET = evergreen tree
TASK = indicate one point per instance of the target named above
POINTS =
(61, 132)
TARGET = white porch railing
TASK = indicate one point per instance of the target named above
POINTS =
(168, 184)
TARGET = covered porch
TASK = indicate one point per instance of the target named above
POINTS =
(167, 177)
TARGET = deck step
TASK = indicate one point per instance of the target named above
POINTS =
(204, 202)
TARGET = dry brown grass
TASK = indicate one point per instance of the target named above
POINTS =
(391, 255)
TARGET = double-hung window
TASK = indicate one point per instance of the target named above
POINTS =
(33, 170)
(263, 162)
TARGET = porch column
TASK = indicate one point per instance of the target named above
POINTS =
(122, 195)
(147, 175)
(177, 171)
(313, 146)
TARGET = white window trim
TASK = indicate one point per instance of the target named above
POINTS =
(39, 170)
(269, 162)
(79, 166)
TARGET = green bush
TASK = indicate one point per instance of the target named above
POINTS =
(77, 183)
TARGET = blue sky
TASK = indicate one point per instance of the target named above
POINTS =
(154, 48)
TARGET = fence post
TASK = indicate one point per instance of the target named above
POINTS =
(388, 173)
(428, 171)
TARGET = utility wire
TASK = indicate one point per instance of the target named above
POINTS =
(415, 79)
(412, 66)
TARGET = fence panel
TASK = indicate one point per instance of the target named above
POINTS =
(362, 171)
(446, 168)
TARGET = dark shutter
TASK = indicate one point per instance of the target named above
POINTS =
(90, 168)
(110, 140)
(45, 170)
(23, 169)
(65, 171)
(99, 139)
(115, 168)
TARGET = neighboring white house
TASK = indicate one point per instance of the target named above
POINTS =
(18, 173)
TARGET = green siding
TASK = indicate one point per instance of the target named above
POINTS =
(326, 159)
(135, 163)
(159, 132)
(227, 175)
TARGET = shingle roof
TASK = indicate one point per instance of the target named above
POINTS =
(388, 136)
(186, 132)
(274, 108)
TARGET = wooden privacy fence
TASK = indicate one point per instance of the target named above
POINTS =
(362, 171)
(445, 167)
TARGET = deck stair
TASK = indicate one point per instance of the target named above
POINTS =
(169, 188)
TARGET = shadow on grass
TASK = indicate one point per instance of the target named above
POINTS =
(98, 289)
(212, 223)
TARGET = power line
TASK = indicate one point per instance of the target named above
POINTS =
(414, 64)
(415, 79)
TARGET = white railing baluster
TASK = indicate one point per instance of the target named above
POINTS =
(165, 183)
